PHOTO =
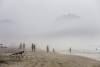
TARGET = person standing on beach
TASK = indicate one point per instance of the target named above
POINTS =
(23, 46)
(53, 50)
(47, 49)
(20, 46)
(33, 47)
(70, 50)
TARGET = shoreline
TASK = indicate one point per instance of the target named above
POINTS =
(43, 59)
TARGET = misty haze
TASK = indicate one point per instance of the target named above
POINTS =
(49, 33)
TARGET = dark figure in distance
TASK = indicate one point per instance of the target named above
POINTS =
(47, 49)
(23, 46)
(70, 50)
(20, 46)
(33, 47)
(53, 50)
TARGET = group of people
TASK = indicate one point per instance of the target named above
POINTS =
(33, 48)
(22, 46)
(47, 48)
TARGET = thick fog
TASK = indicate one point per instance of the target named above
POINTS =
(59, 23)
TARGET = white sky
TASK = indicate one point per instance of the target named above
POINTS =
(63, 23)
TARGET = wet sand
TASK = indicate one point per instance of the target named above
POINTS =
(42, 59)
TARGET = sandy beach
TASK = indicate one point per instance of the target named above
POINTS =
(49, 33)
(43, 59)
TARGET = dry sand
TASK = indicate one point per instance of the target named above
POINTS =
(42, 59)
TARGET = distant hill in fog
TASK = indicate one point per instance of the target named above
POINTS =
(69, 16)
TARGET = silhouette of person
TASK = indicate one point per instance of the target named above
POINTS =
(23, 46)
(47, 48)
(70, 50)
(33, 47)
(20, 46)
(53, 50)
